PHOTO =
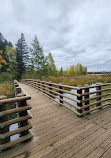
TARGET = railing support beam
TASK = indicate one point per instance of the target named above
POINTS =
(79, 91)
(3, 130)
(61, 97)
(21, 114)
(98, 94)
(50, 88)
(86, 97)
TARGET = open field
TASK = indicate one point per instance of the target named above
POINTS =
(79, 80)
(6, 87)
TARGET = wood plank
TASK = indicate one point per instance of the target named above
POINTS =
(58, 133)
(92, 146)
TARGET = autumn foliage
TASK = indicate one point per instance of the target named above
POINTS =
(2, 61)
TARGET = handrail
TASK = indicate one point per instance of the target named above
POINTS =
(16, 99)
(61, 99)
(14, 142)
(85, 87)
(7, 112)
(65, 91)
(81, 101)
(13, 121)
(23, 116)
(16, 131)
(55, 84)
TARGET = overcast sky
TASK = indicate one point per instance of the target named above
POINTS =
(74, 31)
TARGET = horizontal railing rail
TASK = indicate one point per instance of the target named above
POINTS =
(81, 100)
(8, 118)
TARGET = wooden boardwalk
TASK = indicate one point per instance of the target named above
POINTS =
(58, 133)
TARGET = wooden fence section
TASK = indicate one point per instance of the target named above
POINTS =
(18, 114)
(80, 100)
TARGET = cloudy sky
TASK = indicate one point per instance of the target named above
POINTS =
(75, 31)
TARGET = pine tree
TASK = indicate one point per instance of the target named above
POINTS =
(24, 49)
(51, 63)
(4, 43)
(61, 72)
(21, 56)
(37, 56)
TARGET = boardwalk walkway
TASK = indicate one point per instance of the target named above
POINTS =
(58, 133)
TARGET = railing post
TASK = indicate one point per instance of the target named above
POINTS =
(61, 97)
(98, 94)
(79, 92)
(43, 87)
(50, 88)
(3, 130)
(17, 90)
(86, 90)
(23, 103)
(31, 82)
(25, 81)
(39, 85)
(15, 86)
(35, 84)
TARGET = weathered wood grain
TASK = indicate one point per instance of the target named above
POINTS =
(57, 132)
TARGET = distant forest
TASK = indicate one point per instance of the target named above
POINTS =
(21, 60)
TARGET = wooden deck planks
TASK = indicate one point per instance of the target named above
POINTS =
(59, 133)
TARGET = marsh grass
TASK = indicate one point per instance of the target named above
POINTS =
(6, 88)
(73, 80)
(79, 80)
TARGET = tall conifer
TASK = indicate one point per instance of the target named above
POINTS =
(21, 56)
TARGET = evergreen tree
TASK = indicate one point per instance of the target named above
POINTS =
(61, 72)
(2, 46)
(37, 56)
(4, 43)
(51, 64)
(24, 49)
(21, 56)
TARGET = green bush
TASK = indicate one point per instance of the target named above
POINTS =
(4, 76)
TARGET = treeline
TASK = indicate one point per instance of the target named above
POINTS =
(99, 72)
(20, 60)
(78, 69)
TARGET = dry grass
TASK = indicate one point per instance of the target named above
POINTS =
(6, 88)
(79, 80)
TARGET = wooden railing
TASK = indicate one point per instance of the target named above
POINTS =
(80, 100)
(18, 114)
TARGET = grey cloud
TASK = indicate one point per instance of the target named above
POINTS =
(105, 66)
(75, 31)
